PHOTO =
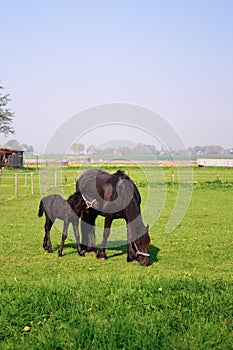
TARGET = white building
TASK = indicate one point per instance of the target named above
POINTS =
(214, 162)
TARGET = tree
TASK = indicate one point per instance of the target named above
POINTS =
(91, 149)
(141, 149)
(6, 115)
(126, 150)
(78, 148)
(14, 144)
(26, 148)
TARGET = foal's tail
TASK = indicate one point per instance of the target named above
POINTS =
(41, 209)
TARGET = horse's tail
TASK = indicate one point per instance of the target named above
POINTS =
(41, 209)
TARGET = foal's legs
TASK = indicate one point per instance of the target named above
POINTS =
(64, 236)
(77, 238)
(107, 224)
(47, 242)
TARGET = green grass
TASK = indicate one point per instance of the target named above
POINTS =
(182, 301)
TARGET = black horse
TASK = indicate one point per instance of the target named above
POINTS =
(56, 207)
(113, 196)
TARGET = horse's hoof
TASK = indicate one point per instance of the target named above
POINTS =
(92, 252)
(81, 254)
(59, 255)
(101, 257)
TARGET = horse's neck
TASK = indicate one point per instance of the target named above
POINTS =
(133, 214)
(133, 211)
(135, 228)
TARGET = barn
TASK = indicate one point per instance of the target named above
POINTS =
(10, 157)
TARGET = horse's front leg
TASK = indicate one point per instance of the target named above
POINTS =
(64, 236)
(101, 252)
(77, 237)
(131, 257)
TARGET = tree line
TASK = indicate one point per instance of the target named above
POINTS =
(143, 149)
(14, 144)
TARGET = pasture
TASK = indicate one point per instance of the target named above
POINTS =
(183, 300)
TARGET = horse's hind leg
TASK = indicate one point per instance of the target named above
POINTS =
(77, 237)
(47, 242)
(88, 231)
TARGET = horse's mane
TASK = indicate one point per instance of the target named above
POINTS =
(144, 239)
(121, 175)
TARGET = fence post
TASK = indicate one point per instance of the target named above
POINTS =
(173, 176)
(16, 185)
(55, 179)
(66, 180)
(44, 180)
(32, 184)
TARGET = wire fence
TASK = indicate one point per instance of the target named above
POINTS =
(14, 184)
(17, 183)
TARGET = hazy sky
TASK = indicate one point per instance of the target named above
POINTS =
(174, 57)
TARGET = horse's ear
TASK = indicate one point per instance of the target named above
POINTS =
(147, 226)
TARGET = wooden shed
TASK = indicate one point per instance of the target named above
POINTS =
(10, 157)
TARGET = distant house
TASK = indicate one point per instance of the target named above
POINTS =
(11, 158)
(215, 162)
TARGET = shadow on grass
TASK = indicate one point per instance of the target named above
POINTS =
(120, 250)
(114, 249)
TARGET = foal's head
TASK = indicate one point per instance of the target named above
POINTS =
(76, 202)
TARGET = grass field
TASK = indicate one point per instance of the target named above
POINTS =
(183, 300)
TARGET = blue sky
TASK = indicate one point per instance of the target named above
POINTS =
(174, 57)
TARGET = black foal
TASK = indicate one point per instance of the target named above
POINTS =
(56, 207)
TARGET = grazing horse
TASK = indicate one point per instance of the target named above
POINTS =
(56, 207)
(113, 196)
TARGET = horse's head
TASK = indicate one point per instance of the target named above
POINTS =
(141, 247)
